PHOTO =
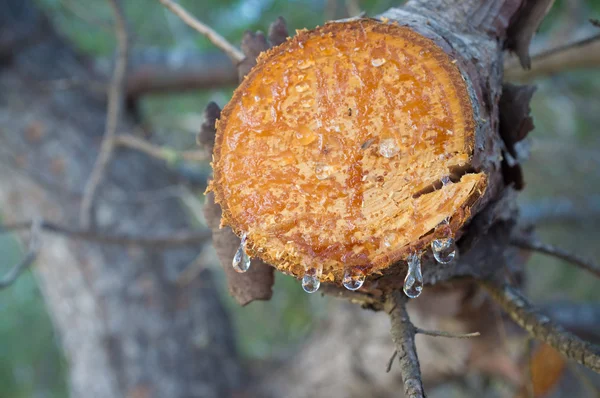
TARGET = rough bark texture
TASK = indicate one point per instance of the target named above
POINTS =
(256, 284)
(128, 329)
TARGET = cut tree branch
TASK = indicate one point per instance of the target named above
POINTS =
(113, 114)
(542, 328)
(32, 252)
(177, 238)
(158, 152)
(205, 30)
(403, 335)
(535, 245)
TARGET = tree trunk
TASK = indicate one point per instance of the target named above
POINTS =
(128, 328)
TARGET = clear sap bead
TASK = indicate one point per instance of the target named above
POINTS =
(378, 62)
(444, 250)
(388, 147)
(302, 87)
(388, 240)
(241, 260)
(311, 281)
(413, 283)
(322, 171)
(353, 279)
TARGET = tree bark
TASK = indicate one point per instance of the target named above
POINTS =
(128, 328)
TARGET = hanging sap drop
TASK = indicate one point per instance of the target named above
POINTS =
(388, 147)
(311, 281)
(353, 279)
(241, 260)
(444, 250)
(413, 283)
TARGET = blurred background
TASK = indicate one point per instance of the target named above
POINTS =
(562, 179)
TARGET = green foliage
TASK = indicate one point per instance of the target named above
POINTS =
(30, 361)
(267, 330)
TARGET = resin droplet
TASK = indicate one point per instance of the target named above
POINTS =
(305, 136)
(413, 283)
(444, 250)
(323, 171)
(353, 279)
(241, 261)
(388, 148)
(389, 239)
(378, 62)
(305, 64)
(312, 279)
(301, 87)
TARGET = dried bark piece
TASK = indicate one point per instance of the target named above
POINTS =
(278, 32)
(257, 283)
(523, 26)
(206, 135)
(333, 149)
(515, 124)
(253, 43)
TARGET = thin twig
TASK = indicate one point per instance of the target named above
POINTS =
(531, 244)
(158, 152)
(391, 362)
(218, 40)
(580, 54)
(32, 252)
(191, 272)
(403, 335)
(113, 114)
(178, 238)
(542, 328)
(439, 333)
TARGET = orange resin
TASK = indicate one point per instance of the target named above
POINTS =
(332, 150)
